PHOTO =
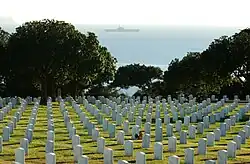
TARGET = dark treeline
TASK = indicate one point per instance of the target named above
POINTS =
(42, 57)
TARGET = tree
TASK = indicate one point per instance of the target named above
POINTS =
(54, 54)
(156, 89)
(107, 70)
(4, 37)
(93, 67)
(194, 75)
(136, 75)
(240, 57)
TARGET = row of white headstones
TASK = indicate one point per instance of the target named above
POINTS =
(146, 138)
(211, 136)
(76, 139)
(28, 137)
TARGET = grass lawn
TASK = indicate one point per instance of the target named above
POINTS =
(63, 148)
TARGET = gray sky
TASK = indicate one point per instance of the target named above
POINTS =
(167, 12)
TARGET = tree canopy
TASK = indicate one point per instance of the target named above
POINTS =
(223, 67)
(136, 75)
(223, 63)
(53, 54)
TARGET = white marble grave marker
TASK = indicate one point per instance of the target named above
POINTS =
(50, 158)
(129, 148)
(20, 155)
(140, 158)
(173, 160)
(108, 156)
(158, 151)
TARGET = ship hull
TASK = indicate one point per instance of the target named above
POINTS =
(127, 30)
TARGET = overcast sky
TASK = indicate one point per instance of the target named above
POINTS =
(155, 12)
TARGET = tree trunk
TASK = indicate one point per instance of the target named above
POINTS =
(53, 90)
(44, 93)
(50, 87)
(76, 90)
(48, 90)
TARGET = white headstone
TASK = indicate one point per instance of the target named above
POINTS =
(189, 156)
(111, 130)
(210, 139)
(147, 127)
(231, 149)
(95, 134)
(25, 145)
(242, 133)
(146, 141)
(202, 146)
(222, 157)
(51, 135)
(129, 148)
(158, 134)
(120, 137)
(20, 155)
(108, 156)
(140, 158)
(50, 158)
(100, 145)
(200, 128)
(83, 160)
(158, 151)
(178, 125)
(170, 130)
(186, 120)
(217, 134)
(29, 135)
(172, 144)
(6, 133)
(173, 160)
(75, 141)
(191, 131)
(126, 127)
(183, 137)
(77, 152)
(49, 148)
(237, 140)
(223, 128)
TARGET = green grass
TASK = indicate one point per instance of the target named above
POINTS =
(64, 153)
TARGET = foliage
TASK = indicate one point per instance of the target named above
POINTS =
(53, 54)
(208, 72)
(4, 37)
(136, 75)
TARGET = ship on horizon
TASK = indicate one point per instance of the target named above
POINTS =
(122, 29)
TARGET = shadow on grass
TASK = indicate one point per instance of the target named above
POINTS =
(63, 149)
(11, 144)
(5, 155)
(32, 158)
